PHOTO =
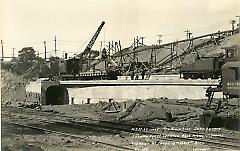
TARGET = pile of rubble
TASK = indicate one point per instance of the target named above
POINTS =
(12, 88)
(148, 110)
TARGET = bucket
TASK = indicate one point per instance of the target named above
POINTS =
(168, 116)
(210, 120)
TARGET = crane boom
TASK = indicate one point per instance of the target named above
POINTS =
(92, 41)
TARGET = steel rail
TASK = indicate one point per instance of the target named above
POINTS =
(213, 143)
(71, 135)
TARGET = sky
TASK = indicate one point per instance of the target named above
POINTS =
(28, 23)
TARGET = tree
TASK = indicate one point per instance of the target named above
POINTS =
(30, 66)
(27, 54)
(26, 59)
(54, 65)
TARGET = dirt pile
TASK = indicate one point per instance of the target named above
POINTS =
(130, 110)
(89, 111)
(12, 88)
(232, 40)
(227, 42)
(148, 110)
(205, 47)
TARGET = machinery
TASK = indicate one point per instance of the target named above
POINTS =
(231, 73)
(224, 114)
(204, 68)
(77, 68)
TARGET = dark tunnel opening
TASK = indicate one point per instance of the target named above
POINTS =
(56, 95)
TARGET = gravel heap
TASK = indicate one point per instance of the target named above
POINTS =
(12, 88)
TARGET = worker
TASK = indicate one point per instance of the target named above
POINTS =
(143, 73)
(112, 75)
(148, 74)
(132, 75)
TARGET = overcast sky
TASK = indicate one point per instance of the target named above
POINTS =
(30, 22)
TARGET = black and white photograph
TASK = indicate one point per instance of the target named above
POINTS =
(120, 75)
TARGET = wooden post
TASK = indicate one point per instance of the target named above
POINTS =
(45, 50)
(13, 52)
(72, 100)
(88, 100)
(55, 44)
(2, 50)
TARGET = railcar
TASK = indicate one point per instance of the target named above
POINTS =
(204, 68)
(224, 114)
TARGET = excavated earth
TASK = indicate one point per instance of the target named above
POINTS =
(15, 107)
(151, 112)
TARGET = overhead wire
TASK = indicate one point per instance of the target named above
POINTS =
(98, 43)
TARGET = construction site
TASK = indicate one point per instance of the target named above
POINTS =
(180, 95)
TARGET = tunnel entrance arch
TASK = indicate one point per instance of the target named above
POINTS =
(57, 95)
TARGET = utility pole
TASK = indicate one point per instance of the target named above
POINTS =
(45, 50)
(2, 49)
(55, 44)
(142, 40)
(159, 39)
(188, 33)
(137, 48)
(238, 21)
(109, 48)
(13, 52)
(232, 22)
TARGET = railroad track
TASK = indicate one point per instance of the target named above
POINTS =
(118, 147)
(229, 143)
(219, 142)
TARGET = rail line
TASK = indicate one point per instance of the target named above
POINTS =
(215, 143)
(206, 141)
(115, 127)
(72, 135)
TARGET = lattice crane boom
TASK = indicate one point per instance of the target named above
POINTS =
(92, 41)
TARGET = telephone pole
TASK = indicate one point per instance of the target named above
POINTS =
(45, 50)
(188, 34)
(136, 53)
(233, 23)
(159, 39)
(13, 52)
(120, 50)
(55, 44)
(141, 40)
(238, 21)
(2, 49)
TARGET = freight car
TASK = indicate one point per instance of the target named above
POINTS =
(231, 73)
(204, 68)
(230, 86)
